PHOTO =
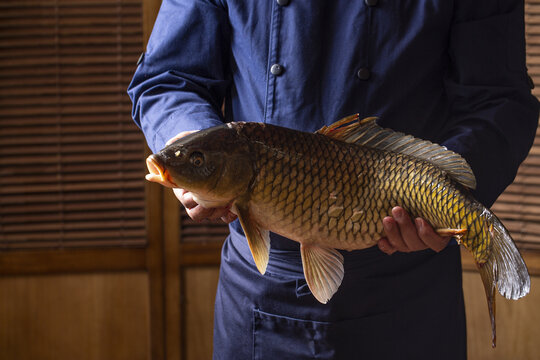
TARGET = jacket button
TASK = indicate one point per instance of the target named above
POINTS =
(283, 2)
(363, 74)
(277, 69)
(371, 2)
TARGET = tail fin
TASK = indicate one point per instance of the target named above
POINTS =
(504, 267)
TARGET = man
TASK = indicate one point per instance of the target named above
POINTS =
(452, 72)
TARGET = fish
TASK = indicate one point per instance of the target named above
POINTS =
(330, 190)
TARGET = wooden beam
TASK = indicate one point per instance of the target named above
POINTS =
(154, 225)
(27, 262)
(209, 253)
(174, 310)
(154, 261)
(200, 253)
(150, 11)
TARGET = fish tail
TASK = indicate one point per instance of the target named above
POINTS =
(504, 267)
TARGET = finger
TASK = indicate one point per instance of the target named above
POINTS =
(429, 236)
(393, 234)
(179, 136)
(199, 213)
(408, 230)
(211, 214)
(218, 213)
(385, 246)
(186, 198)
(229, 218)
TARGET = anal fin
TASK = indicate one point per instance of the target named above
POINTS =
(258, 239)
(323, 270)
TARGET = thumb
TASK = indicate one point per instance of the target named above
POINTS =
(179, 136)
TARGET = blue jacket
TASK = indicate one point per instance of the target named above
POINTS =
(452, 71)
(449, 71)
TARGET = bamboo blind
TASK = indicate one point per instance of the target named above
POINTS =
(71, 159)
(518, 207)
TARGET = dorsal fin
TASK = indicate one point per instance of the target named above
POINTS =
(366, 132)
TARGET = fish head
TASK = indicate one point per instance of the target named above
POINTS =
(215, 164)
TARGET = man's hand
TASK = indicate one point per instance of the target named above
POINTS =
(179, 136)
(405, 236)
(200, 213)
(193, 209)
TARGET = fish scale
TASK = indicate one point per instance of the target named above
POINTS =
(352, 173)
(330, 190)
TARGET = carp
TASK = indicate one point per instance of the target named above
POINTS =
(330, 190)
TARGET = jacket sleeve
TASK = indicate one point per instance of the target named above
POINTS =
(493, 114)
(181, 81)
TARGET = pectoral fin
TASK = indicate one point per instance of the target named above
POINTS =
(323, 270)
(258, 239)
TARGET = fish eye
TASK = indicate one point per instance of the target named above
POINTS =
(196, 158)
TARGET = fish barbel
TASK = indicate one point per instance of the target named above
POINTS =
(330, 190)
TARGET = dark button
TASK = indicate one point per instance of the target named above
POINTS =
(283, 2)
(363, 74)
(277, 69)
(371, 2)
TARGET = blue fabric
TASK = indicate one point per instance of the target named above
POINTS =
(404, 306)
(449, 71)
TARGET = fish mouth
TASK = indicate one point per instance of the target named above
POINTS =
(157, 173)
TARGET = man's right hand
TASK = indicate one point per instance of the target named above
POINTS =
(193, 209)
(200, 213)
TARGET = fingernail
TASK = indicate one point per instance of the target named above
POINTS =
(419, 223)
(385, 249)
(398, 213)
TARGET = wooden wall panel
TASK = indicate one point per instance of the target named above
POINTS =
(517, 321)
(518, 329)
(85, 317)
(200, 292)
